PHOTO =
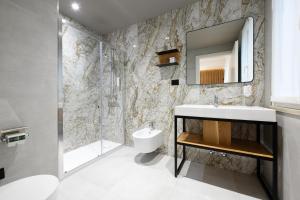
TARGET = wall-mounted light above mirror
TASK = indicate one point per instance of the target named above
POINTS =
(221, 54)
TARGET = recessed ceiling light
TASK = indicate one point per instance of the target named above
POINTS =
(75, 6)
(134, 46)
(63, 20)
(167, 38)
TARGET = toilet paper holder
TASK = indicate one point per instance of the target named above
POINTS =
(14, 136)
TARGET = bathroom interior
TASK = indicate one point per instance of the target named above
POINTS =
(146, 100)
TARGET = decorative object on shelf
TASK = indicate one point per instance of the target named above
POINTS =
(172, 60)
(168, 57)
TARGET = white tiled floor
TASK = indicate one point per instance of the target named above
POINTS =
(87, 153)
(128, 175)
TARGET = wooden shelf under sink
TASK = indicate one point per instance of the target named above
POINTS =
(243, 147)
(239, 147)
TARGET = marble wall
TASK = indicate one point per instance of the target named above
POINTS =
(93, 78)
(149, 94)
(81, 71)
(112, 93)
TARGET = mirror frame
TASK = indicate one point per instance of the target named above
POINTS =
(219, 84)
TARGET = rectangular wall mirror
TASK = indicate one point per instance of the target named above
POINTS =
(221, 54)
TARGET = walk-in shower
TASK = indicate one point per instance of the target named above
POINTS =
(91, 96)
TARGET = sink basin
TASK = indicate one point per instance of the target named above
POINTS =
(250, 113)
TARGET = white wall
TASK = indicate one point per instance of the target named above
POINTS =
(289, 156)
(289, 127)
(28, 80)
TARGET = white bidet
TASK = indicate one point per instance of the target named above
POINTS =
(147, 140)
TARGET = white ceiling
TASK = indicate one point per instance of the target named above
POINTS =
(216, 35)
(105, 16)
(214, 61)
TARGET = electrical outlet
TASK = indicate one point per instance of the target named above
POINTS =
(175, 82)
(2, 173)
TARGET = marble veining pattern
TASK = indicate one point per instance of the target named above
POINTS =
(81, 80)
(94, 83)
(150, 96)
(112, 93)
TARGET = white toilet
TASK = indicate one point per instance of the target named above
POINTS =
(147, 140)
(40, 187)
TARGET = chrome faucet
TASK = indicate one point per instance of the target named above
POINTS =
(151, 125)
(216, 101)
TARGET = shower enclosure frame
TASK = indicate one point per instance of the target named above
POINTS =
(60, 104)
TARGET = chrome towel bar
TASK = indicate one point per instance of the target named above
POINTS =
(23, 128)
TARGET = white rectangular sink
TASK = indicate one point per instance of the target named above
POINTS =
(250, 113)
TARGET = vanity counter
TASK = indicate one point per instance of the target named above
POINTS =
(247, 113)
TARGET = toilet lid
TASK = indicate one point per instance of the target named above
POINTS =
(38, 187)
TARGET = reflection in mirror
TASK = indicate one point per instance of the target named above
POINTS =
(221, 54)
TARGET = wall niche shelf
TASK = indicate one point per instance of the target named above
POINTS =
(167, 64)
(164, 57)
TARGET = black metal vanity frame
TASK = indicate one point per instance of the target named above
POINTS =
(272, 191)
